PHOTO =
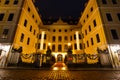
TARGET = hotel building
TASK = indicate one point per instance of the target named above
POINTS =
(100, 23)
(96, 37)
(19, 27)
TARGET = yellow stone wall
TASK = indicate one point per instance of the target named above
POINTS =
(87, 20)
(28, 15)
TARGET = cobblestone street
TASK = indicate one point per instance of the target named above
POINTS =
(40, 74)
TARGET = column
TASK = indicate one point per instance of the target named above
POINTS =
(77, 40)
(42, 40)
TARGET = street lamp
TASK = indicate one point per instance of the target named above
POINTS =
(69, 44)
(49, 44)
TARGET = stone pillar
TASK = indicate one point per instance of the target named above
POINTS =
(77, 40)
(42, 40)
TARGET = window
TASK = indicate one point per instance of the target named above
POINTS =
(91, 9)
(114, 34)
(33, 16)
(54, 30)
(66, 38)
(65, 30)
(104, 2)
(22, 37)
(92, 43)
(114, 1)
(70, 38)
(28, 9)
(38, 45)
(48, 29)
(15, 2)
(53, 38)
(60, 38)
(53, 47)
(94, 22)
(86, 32)
(59, 47)
(40, 36)
(71, 46)
(30, 28)
(84, 21)
(28, 41)
(1, 16)
(34, 32)
(7, 1)
(84, 46)
(44, 46)
(89, 28)
(5, 33)
(118, 16)
(80, 37)
(65, 47)
(80, 45)
(75, 46)
(74, 37)
(45, 36)
(36, 21)
(109, 17)
(59, 30)
(25, 23)
(87, 44)
(98, 38)
(87, 15)
(10, 18)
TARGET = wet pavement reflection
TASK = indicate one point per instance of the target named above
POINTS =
(59, 71)
(59, 66)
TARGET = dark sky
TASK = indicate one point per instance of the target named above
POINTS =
(63, 8)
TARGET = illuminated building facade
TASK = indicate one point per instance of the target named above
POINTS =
(95, 39)
(19, 27)
(59, 37)
(100, 23)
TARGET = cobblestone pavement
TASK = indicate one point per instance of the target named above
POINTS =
(40, 74)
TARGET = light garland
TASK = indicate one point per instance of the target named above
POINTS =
(27, 56)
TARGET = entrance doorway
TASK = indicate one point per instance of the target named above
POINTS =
(59, 58)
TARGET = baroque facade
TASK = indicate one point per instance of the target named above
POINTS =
(100, 23)
(19, 27)
(96, 37)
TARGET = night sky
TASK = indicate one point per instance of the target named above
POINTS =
(60, 8)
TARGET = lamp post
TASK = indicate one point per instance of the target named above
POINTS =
(69, 44)
(48, 54)
(49, 44)
(69, 54)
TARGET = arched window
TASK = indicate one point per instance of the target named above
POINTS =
(30, 28)
(74, 37)
(53, 38)
(45, 36)
(80, 45)
(66, 38)
(28, 41)
(75, 46)
(59, 30)
(60, 38)
(65, 47)
(44, 46)
(53, 47)
(38, 45)
(59, 47)
(54, 30)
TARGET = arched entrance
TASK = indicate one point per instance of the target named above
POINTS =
(59, 58)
